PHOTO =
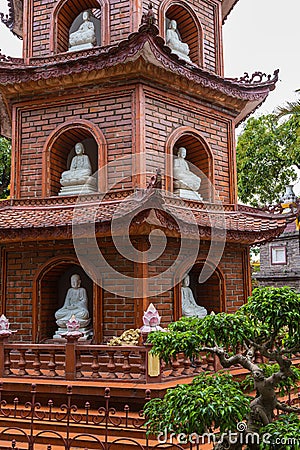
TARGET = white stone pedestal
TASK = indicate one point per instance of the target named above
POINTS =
(87, 188)
(188, 194)
(75, 48)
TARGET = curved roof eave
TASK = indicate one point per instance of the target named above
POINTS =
(14, 19)
(42, 219)
(227, 7)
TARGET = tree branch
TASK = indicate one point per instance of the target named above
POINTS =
(285, 408)
(228, 361)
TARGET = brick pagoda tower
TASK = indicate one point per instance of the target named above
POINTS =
(125, 96)
(117, 91)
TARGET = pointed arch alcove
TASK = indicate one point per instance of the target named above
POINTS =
(49, 290)
(59, 150)
(188, 25)
(211, 294)
(65, 14)
(199, 155)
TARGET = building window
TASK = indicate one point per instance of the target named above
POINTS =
(278, 255)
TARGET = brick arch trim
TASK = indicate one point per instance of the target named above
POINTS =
(95, 132)
(36, 289)
(167, 4)
(177, 287)
(220, 274)
(171, 141)
(88, 4)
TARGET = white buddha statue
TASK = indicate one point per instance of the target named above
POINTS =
(78, 178)
(85, 36)
(189, 305)
(76, 304)
(186, 183)
(176, 45)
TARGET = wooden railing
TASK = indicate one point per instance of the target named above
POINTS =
(74, 360)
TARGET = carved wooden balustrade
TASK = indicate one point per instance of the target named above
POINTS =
(74, 360)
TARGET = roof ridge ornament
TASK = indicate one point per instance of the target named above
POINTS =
(148, 18)
(10, 18)
(256, 78)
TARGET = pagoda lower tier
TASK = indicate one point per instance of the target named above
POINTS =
(109, 243)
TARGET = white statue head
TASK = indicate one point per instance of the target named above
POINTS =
(182, 152)
(186, 281)
(79, 148)
(86, 15)
(75, 281)
(173, 24)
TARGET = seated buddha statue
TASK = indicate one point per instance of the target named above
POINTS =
(75, 304)
(186, 183)
(85, 36)
(78, 178)
(176, 45)
(189, 305)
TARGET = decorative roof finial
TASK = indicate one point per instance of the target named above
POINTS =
(155, 181)
(148, 18)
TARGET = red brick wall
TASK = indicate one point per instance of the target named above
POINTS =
(22, 266)
(207, 14)
(123, 20)
(120, 24)
(116, 118)
(24, 261)
(164, 115)
(113, 115)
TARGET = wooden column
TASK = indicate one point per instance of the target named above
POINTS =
(141, 301)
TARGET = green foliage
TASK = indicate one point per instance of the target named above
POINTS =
(274, 312)
(271, 317)
(266, 151)
(290, 109)
(210, 402)
(5, 161)
(269, 313)
(282, 434)
(189, 335)
(285, 386)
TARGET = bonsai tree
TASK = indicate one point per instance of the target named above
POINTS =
(269, 324)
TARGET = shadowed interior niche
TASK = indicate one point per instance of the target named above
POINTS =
(198, 156)
(188, 31)
(53, 289)
(69, 19)
(62, 152)
(209, 294)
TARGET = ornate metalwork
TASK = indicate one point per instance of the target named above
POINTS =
(256, 78)
(70, 426)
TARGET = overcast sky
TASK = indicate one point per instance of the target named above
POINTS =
(259, 35)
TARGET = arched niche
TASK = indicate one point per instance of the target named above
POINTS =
(60, 149)
(95, 18)
(49, 291)
(67, 16)
(188, 25)
(198, 154)
(211, 293)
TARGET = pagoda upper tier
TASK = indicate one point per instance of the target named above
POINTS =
(45, 27)
(142, 55)
(15, 18)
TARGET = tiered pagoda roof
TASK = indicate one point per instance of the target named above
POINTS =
(52, 218)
